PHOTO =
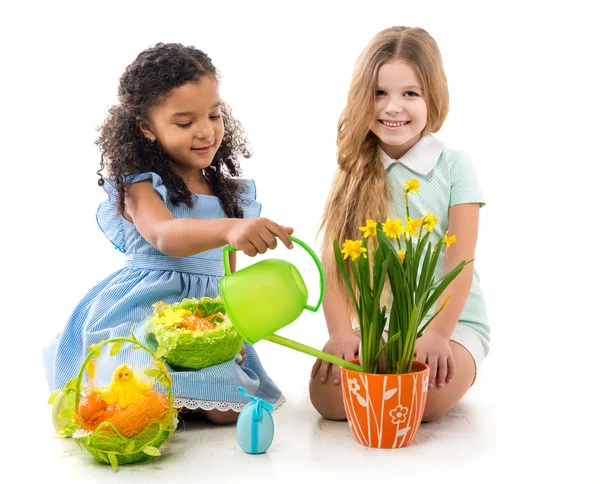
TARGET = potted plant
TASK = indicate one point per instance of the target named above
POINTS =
(384, 403)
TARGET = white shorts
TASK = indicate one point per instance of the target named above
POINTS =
(474, 343)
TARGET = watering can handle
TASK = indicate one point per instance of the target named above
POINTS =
(314, 309)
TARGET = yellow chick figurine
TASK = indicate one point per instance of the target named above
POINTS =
(124, 389)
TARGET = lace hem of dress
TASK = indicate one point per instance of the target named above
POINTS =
(192, 404)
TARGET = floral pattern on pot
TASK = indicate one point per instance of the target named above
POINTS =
(385, 411)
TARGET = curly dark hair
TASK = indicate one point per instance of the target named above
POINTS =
(126, 151)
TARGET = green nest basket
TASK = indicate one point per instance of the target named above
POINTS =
(106, 443)
(215, 342)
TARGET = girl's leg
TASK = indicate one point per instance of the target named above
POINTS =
(328, 401)
(440, 400)
(327, 397)
(218, 417)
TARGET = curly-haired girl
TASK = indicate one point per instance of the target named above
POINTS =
(169, 164)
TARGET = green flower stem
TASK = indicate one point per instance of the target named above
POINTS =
(280, 340)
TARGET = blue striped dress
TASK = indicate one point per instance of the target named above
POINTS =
(127, 296)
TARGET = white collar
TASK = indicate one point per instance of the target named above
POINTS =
(421, 158)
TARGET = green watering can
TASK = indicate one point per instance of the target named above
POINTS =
(264, 297)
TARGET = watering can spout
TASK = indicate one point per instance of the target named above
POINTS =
(267, 296)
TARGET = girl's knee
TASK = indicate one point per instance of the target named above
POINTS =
(438, 403)
(327, 398)
(430, 414)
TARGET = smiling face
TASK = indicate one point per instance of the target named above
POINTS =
(400, 112)
(188, 126)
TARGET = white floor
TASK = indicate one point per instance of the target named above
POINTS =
(496, 434)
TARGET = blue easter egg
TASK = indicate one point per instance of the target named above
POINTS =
(254, 436)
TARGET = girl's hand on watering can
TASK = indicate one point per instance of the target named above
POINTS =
(343, 345)
(257, 235)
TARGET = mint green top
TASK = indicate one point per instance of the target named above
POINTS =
(447, 178)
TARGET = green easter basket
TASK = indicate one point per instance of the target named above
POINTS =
(108, 442)
(194, 333)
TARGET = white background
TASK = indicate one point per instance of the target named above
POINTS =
(524, 103)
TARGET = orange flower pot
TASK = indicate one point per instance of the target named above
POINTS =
(385, 411)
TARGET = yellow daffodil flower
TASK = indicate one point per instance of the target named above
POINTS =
(369, 229)
(411, 186)
(448, 240)
(429, 221)
(393, 228)
(401, 255)
(171, 318)
(412, 224)
(353, 249)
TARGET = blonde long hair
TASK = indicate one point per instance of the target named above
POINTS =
(360, 188)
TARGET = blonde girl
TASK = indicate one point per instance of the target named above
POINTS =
(398, 97)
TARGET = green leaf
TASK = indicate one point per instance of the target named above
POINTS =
(433, 263)
(102, 456)
(153, 373)
(53, 396)
(160, 352)
(388, 342)
(364, 266)
(344, 273)
(67, 412)
(130, 448)
(113, 461)
(381, 281)
(71, 384)
(421, 246)
(409, 254)
(69, 429)
(160, 365)
(116, 348)
(377, 262)
(424, 272)
(444, 283)
(94, 347)
(150, 450)
(407, 350)
(424, 327)
(384, 240)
